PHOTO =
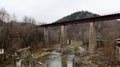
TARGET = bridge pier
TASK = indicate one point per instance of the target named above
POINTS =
(92, 38)
(46, 38)
(63, 37)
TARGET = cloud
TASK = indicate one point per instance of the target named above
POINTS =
(51, 10)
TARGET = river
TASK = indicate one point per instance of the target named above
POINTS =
(56, 60)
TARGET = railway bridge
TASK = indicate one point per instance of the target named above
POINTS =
(92, 32)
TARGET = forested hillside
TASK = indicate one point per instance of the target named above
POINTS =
(78, 15)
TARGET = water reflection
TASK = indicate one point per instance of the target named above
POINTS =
(54, 62)
(60, 61)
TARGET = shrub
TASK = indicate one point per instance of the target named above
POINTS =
(76, 47)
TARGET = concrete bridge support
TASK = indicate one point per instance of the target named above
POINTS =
(46, 38)
(92, 38)
(63, 37)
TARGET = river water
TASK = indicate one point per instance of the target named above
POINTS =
(56, 60)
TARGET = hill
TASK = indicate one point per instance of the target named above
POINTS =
(81, 31)
(78, 15)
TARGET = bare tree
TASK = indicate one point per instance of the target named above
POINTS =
(27, 19)
(4, 16)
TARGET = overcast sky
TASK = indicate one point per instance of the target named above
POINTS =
(52, 10)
